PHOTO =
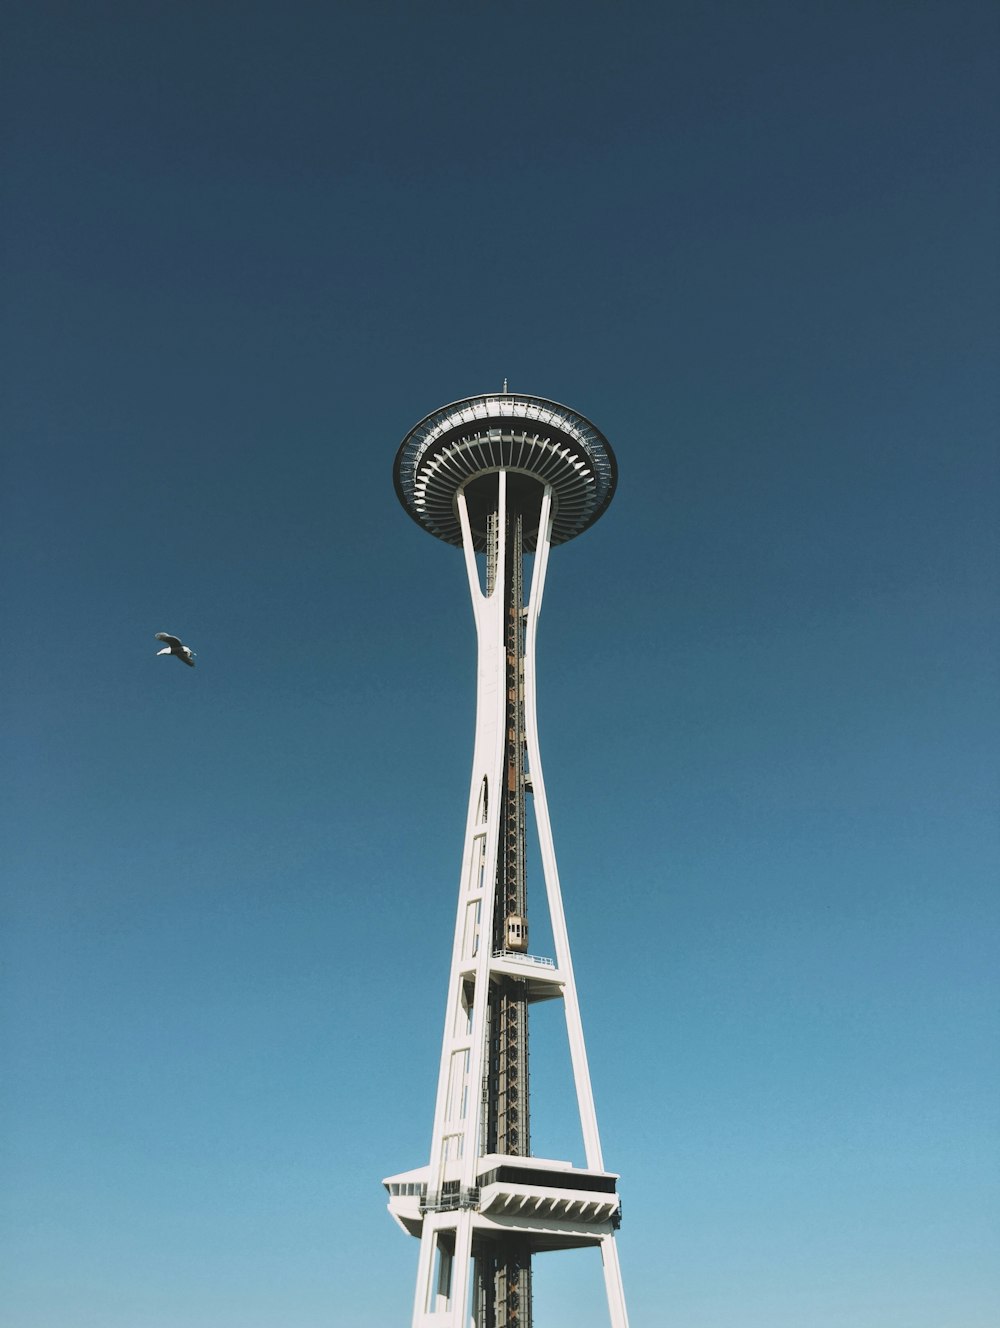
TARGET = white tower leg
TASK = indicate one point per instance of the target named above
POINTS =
(560, 936)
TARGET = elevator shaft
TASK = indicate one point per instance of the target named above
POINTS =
(503, 1278)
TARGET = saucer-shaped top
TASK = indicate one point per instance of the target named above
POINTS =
(536, 441)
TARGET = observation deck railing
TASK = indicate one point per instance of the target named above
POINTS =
(538, 960)
(447, 1201)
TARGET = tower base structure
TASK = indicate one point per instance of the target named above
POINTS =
(503, 476)
(537, 1203)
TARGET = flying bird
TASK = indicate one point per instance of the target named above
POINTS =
(174, 647)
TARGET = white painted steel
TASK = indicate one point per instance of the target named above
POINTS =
(455, 1142)
(613, 1281)
(442, 1297)
(560, 935)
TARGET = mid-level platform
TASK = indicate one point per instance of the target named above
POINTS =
(556, 1205)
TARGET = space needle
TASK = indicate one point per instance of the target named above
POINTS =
(502, 476)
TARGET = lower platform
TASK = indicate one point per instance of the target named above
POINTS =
(553, 1204)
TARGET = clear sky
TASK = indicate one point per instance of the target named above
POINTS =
(247, 246)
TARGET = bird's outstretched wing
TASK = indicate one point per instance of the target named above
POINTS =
(172, 641)
(185, 655)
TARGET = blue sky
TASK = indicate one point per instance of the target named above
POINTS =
(246, 248)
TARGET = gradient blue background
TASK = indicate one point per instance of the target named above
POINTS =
(247, 247)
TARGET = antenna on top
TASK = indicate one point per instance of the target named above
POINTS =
(504, 388)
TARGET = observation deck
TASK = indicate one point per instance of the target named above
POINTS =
(535, 440)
